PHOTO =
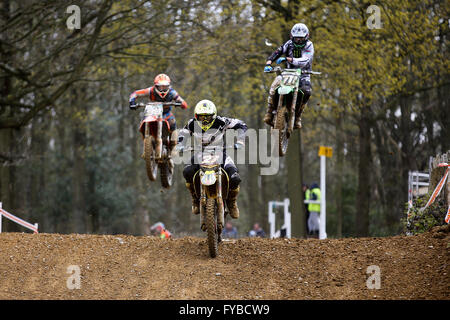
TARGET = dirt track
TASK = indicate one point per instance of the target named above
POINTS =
(34, 266)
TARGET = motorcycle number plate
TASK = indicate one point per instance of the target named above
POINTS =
(290, 80)
(153, 110)
(209, 178)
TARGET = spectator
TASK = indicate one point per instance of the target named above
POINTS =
(314, 210)
(159, 230)
(306, 196)
(229, 231)
(257, 231)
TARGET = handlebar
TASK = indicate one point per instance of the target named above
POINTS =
(142, 105)
(212, 148)
(278, 69)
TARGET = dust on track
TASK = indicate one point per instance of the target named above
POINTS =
(35, 266)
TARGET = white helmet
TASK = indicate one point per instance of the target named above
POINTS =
(205, 113)
(299, 34)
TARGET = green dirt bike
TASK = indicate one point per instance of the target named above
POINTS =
(211, 184)
(155, 132)
(288, 93)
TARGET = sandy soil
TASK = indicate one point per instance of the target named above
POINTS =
(37, 266)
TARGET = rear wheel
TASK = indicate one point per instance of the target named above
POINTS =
(281, 122)
(211, 226)
(149, 156)
(166, 172)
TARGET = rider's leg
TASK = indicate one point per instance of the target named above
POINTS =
(188, 174)
(172, 131)
(235, 179)
(305, 86)
(271, 104)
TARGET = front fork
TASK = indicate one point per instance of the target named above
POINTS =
(202, 206)
(220, 205)
(159, 140)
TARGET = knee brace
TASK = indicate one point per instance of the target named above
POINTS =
(235, 180)
(305, 86)
(173, 124)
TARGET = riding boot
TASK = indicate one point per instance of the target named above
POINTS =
(268, 118)
(298, 117)
(232, 204)
(195, 200)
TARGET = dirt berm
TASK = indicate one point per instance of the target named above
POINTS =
(38, 266)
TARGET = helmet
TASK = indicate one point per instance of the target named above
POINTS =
(162, 84)
(205, 113)
(299, 34)
(158, 227)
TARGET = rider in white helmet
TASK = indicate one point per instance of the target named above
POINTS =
(299, 53)
(209, 128)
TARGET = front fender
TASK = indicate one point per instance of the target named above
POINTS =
(283, 90)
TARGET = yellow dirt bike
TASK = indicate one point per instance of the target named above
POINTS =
(211, 184)
(155, 131)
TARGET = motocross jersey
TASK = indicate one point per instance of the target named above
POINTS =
(172, 95)
(215, 133)
(302, 57)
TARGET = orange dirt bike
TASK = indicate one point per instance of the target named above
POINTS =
(155, 131)
(211, 184)
(288, 94)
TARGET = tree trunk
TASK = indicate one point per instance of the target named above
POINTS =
(339, 175)
(79, 169)
(364, 186)
(297, 208)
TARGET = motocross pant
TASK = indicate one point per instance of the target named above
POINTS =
(228, 165)
(171, 119)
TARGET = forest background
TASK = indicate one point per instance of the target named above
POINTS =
(70, 147)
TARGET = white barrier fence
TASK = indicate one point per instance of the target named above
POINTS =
(6, 214)
(287, 219)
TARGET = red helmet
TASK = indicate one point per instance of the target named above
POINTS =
(162, 84)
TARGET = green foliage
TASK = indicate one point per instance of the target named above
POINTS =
(419, 220)
(69, 103)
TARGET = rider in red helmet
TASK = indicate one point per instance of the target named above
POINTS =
(161, 91)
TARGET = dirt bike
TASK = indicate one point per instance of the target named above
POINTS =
(155, 131)
(288, 94)
(212, 190)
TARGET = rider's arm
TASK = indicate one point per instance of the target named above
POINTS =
(307, 57)
(241, 128)
(139, 93)
(277, 53)
(185, 133)
(178, 98)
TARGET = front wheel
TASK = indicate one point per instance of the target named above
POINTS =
(149, 156)
(281, 123)
(211, 226)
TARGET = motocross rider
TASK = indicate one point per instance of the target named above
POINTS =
(210, 128)
(162, 91)
(299, 52)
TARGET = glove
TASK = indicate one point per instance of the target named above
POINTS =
(184, 105)
(280, 60)
(268, 68)
(133, 104)
(238, 145)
